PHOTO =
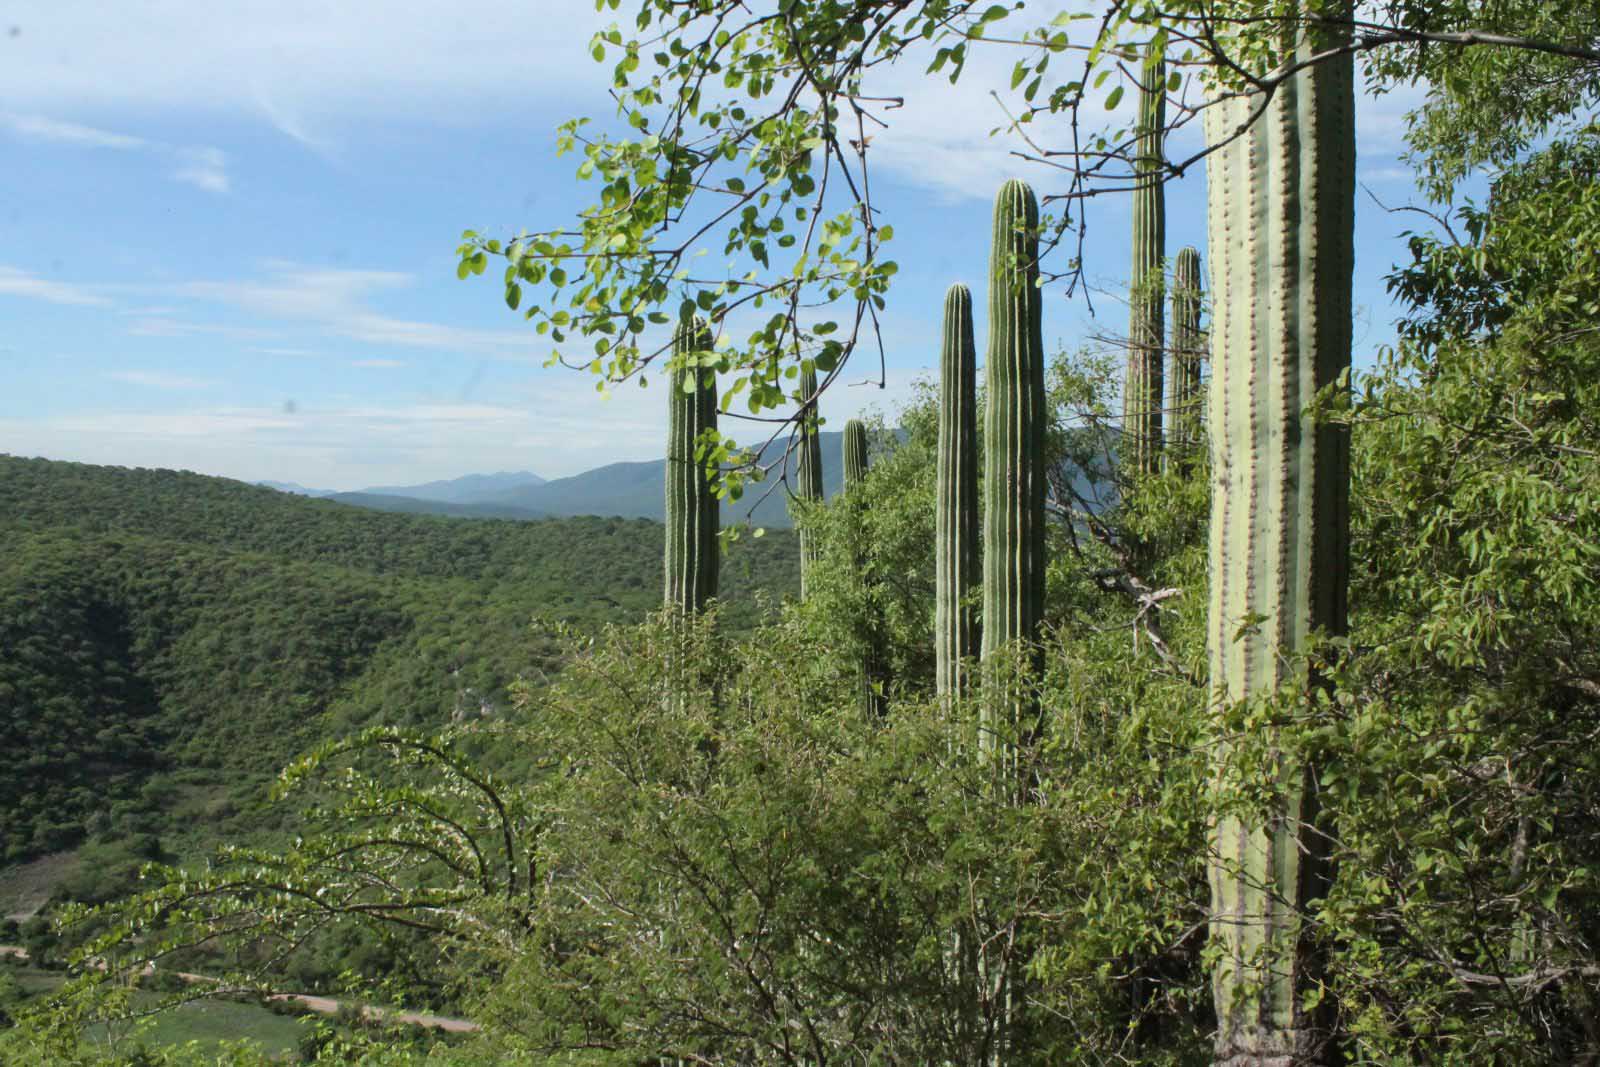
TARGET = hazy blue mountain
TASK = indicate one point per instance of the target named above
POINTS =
(296, 488)
(410, 505)
(467, 489)
(638, 490)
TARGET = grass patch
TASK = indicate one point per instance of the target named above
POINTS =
(208, 1022)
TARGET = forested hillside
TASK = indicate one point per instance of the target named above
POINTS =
(168, 641)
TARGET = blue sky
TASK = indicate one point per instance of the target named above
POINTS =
(227, 236)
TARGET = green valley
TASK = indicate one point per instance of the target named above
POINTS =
(171, 640)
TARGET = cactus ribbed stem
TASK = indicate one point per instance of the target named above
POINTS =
(957, 549)
(1141, 394)
(1187, 351)
(855, 472)
(1013, 525)
(1281, 207)
(693, 559)
(808, 467)
(1014, 418)
(855, 452)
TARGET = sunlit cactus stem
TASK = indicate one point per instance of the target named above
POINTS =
(956, 550)
(1013, 542)
(1186, 352)
(693, 559)
(1280, 214)
(808, 468)
(1014, 470)
(1141, 395)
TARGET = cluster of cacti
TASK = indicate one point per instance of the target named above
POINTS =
(1141, 394)
(692, 514)
(1014, 468)
(956, 549)
(808, 466)
(1280, 214)
(1186, 350)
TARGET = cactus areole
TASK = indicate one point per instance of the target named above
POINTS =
(1014, 419)
(1141, 395)
(692, 513)
(957, 554)
(1280, 211)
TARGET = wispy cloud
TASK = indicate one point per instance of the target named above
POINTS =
(39, 128)
(159, 380)
(558, 427)
(1387, 174)
(203, 168)
(379, 363)
(350, 60)
(339, 302)
(167, 325)
(199, 166)
(15, 282)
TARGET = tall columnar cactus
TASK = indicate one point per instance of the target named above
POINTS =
(855, 472)
(1185, 353)
(1013, 520)
(692, 556)
(1280, 212)
(956, 546)
(855, 452)
(1141, 394)
(808, 467)
(1014, 419)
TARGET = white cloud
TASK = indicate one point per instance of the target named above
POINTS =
(379, 364)
(1387, 174)
(301, 65)
(166, 325)
(15, 282)
(338, 301)
(159, 380)
(203, 168)
(552, 423)
(39, 128)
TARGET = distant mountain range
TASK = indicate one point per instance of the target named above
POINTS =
(467, 489)
(625, 490)
(296, 488)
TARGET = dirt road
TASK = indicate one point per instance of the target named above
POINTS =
(322, 1005)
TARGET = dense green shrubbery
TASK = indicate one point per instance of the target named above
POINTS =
(168, 641)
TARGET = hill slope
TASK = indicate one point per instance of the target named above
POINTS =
(168, 640)
(410, 505)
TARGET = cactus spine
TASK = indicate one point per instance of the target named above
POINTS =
(1141, 394)
(692, 555)
(1280, 213)
(1014, 474)
(956, 550)
(808, 467)
(1186, 351)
